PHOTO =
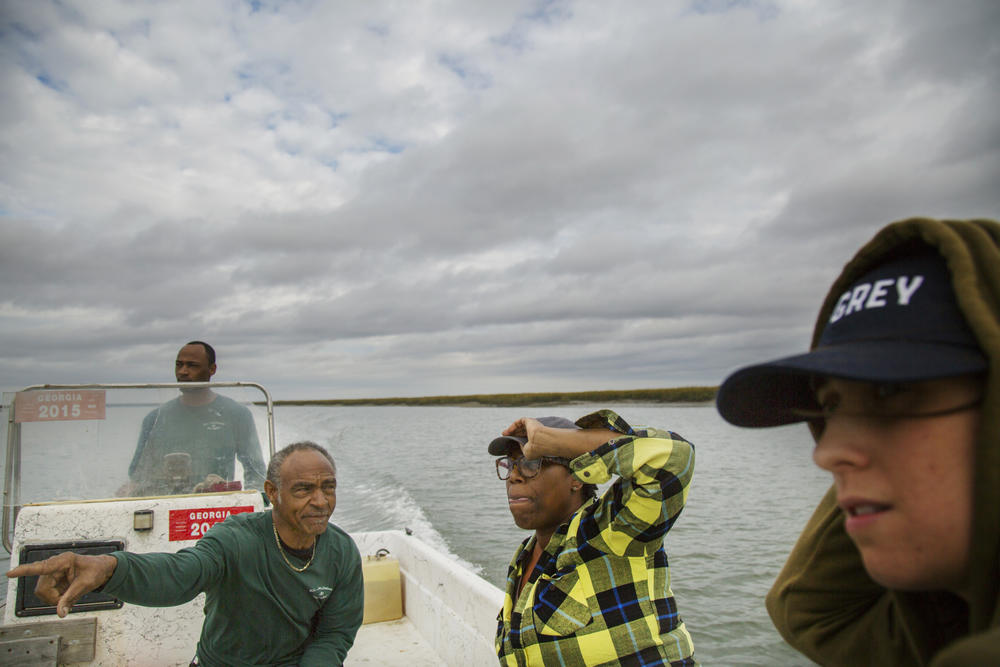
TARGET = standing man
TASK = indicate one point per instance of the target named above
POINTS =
(591, 586)
(282, 587)
(195, 435)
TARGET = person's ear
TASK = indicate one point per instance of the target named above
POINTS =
(271, 491)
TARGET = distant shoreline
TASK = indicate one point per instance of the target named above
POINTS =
(678, 396)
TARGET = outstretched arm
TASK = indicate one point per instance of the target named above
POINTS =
(65, 577)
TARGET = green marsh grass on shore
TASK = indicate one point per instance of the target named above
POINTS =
(697, 395)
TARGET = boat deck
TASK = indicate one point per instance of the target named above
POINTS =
(392, 643)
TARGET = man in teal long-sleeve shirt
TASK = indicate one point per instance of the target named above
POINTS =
(281, 587)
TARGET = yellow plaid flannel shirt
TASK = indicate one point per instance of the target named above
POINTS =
(600, 593)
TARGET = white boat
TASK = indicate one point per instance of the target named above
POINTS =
(68, 449)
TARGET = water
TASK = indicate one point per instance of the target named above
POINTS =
(426, 469)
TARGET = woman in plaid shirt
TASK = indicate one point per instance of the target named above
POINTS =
(592, 585)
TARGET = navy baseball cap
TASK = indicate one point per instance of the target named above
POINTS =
(501, 446)
(899, 322)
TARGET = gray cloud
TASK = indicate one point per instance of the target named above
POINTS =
(368, 200)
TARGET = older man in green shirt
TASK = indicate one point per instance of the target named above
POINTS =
(281, 588)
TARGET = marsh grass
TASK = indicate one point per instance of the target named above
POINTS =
(667, 395)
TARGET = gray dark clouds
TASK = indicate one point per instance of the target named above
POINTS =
(383, 199)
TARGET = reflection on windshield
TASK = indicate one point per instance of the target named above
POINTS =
(140, 442)
(191, 444)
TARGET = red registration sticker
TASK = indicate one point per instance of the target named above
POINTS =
(58, 405)
(192, 524)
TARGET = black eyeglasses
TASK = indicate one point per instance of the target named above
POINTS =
(881, 406)
(529, 467)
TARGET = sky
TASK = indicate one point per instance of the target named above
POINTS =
(434, 197)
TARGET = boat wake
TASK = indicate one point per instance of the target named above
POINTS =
(370, 507)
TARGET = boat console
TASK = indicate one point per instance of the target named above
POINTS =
(99, 468)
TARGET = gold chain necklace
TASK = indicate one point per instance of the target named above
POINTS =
(281, 550)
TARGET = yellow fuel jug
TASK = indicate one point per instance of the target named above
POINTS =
(383, 588)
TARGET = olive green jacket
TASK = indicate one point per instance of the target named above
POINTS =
(823, 602)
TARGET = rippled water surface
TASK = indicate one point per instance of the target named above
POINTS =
(427, 469)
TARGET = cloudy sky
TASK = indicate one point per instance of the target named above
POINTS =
(354, 199)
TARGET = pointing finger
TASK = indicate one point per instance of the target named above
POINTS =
(29, 569)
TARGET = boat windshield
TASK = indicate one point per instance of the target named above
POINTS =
(92, 442)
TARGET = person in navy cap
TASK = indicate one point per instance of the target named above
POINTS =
(900, 563)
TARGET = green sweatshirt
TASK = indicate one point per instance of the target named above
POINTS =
(258, 611)
(823, 602)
